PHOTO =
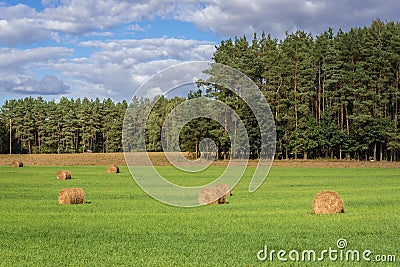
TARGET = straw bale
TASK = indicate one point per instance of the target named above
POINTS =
(328, 202)
(112, 169)
(17, 164)
(63, 175)
(71, 196)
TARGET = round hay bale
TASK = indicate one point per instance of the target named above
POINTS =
(112, 169)
(212, 195)
(208, 195)
(225, 189)
(17, 164)
(223, 192)
(328, 202)
(71, 196)
(63, 175)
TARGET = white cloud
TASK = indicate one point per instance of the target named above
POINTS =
(153, 92)
(133, 51)
(235, 18)
(135, 28)
(119, 67)
(18, 60)
(16, 75)
(48, 85)
(21, 31)
(23, 24)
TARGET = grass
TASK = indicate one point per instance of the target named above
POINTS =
(122, 226)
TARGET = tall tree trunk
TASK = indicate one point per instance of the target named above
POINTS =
(396, 102)
(295, 97)
(319, 95)
(323, 96)
(197, 149)
(76, 141)
(277, 98)
(347, 119)
(286, 153)
(10, 136)
(295, 110)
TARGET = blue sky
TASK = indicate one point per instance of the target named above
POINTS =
(108, 48)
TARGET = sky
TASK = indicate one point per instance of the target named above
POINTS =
(108, 48)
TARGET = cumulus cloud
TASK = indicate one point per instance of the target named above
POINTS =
(23, 24)
(16, 75)
(17, 60)
(153, 92)
(130, 51)
(48, 85)
(119, 67)
(235, 18)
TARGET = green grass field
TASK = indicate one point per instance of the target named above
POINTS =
(122, 226)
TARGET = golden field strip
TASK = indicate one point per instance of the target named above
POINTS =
(158, 159)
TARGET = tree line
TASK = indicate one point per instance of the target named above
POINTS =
(67, 126)
(335, 95)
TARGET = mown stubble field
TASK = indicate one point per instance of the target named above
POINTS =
(103, 159)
